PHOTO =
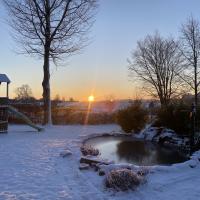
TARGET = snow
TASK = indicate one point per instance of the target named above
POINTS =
(32, 167)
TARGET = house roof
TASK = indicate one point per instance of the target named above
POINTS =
(4, 78)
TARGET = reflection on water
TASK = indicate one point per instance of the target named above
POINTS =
(125, 149)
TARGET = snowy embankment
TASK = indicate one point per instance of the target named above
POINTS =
(32, 168)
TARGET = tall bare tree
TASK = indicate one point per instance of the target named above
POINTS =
(51, 29)
(190, 48)
(156, 62)
(23, 92)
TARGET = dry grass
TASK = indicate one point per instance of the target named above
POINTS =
(89, 150)
(123, 179)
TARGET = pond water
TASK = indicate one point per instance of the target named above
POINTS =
(130, 150)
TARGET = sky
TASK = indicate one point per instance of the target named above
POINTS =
(101, 68)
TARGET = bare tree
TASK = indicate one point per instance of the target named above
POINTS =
(23, 92)
(190, 48)
(52, 29)
(156, 62)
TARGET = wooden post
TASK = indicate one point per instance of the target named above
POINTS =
(193, 128)
(4, 105)
(7, 93)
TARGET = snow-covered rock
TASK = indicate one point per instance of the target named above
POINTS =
(164, 136)
(94, 160)
(65, 153)
(84, 166)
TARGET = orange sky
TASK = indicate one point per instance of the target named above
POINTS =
(101, 68)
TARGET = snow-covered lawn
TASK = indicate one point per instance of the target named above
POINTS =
(31, 168)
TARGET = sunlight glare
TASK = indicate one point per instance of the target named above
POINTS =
(91, 98)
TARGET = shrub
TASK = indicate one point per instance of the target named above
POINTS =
(175, 116)
(132, 118)
(89, 150)
(122, 179)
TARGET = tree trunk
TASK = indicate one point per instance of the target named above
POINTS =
(46, 88)
(195, 84)
(46, 68)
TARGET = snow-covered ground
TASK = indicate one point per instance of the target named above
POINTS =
(31, 168)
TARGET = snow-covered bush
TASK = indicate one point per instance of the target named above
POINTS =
(132, 118)
(123, 179)
(89, 150)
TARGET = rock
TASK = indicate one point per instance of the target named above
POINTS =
(128, 167)
(84, 166)
(193, 164)
(95, 166)
(101, 173)
(90, 161)
(65, 153)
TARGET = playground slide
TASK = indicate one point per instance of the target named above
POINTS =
(24, 118)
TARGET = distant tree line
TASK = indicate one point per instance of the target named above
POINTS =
(24, 94)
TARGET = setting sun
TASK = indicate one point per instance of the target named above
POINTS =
(91, 98)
